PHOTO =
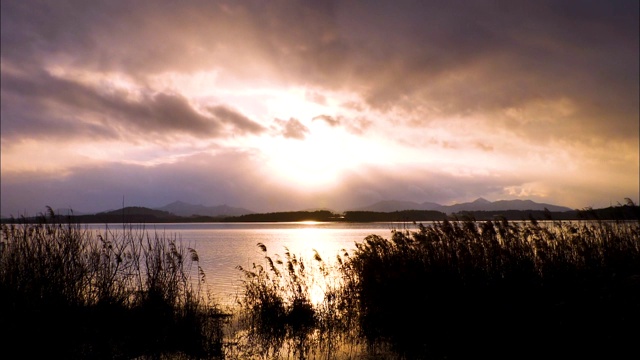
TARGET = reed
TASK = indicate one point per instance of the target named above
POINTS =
(115, 295)
(450, 289)
(455, 290)
(293, 308)
(460, 289)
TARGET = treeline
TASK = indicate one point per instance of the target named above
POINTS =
(146, 215)
(133, 214)
(287, 216)
(516, 215)
(395, 216)
(622, 212)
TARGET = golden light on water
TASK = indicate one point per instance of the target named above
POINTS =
(319, 254)
(309, 222)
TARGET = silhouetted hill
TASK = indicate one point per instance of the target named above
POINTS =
(137, 214)
(503, 205)
(185, 209)
(131, 214)
(479, 204)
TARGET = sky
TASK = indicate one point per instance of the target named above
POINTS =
(294, 105)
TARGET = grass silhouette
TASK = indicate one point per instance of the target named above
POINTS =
(448, 290)
(117, 295)
(457, 290)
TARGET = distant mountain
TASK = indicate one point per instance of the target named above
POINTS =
(502, 205)
(185, 209)
(431, 206)
(479, 204)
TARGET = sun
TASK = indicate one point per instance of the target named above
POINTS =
(321, 158)
(310, 162)
(324, 150)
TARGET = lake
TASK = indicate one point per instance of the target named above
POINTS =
(222, 247)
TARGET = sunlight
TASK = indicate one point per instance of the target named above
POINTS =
(293, 103)
(309, 222)
(323, 156)
(312, 239)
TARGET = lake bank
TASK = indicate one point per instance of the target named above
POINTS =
(146, 215)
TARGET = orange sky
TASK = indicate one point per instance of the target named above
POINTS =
(289, 105)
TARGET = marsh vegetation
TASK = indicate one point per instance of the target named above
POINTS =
(68, 294)
(452, 289)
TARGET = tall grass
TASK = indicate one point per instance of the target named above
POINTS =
(501, 289)
(449, 290)
(456, 290)
(67, 293)
(293, 309)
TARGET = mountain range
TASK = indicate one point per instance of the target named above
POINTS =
(183, 209)
(392, 210)
(479, 204)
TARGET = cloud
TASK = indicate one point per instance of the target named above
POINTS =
(228, 176)
(333, 121)
(243, 178)
(316, 97)
(358, 125)
(292, 128)
(355, 125)
(53, 103)
(433, 60)
(517, 80)
(237, 120)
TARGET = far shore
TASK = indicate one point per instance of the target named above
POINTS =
(131, 215)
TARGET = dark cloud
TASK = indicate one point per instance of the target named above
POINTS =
(481, 58)
(563, 72)
(237, 120)
(455, 58)
(52, 103)
(292, 128)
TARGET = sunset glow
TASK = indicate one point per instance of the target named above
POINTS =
(288, 105)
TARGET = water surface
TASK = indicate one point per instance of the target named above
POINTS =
(222, 247)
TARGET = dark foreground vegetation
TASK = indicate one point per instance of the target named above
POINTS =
(65, 294)
(461, 290)
(449, 290)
